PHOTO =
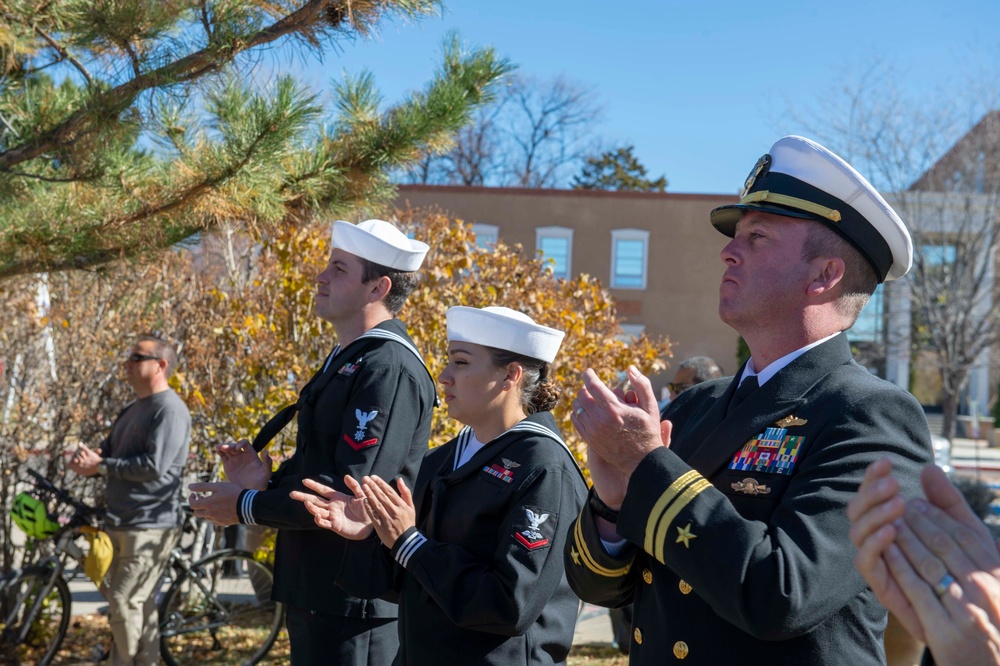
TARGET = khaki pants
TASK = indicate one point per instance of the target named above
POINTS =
(140, 556)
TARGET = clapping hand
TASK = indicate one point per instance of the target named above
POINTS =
(243, 466)
(391, 514)
(337, 511)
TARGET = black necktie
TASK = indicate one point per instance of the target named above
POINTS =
(746, 387)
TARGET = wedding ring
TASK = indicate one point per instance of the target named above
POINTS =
(579, 410)
(941, 588)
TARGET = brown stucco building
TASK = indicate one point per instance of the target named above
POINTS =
(657, 253)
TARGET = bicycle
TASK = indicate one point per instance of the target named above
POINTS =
(35, 602)
(218, 610)
(205, 614)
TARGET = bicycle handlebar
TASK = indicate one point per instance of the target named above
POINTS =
(45, 485)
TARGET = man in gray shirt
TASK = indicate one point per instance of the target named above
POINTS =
(143, 459)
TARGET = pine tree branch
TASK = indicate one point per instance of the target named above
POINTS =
(62, 51)
(183, 70)
(46, 179)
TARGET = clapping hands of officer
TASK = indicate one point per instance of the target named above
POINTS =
(336, 511)
(932, 563)
(620, 429)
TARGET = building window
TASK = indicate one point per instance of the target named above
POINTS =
(486, 235)
(938, 257)
(869, 325)
(628, 258)
(556, 246)
(630, 332)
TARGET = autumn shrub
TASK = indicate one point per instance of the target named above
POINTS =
(240, 314)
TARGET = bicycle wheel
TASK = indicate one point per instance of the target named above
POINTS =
(33, 623)
(220, 612)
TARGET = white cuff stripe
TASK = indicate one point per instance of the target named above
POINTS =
(246, 507)
(410, 546)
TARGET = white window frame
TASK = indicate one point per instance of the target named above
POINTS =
(629, 235)
(630, 332)
(481, 229)
(557, 232)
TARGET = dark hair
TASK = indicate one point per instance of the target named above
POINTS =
(704, 368)
(403, 283)
(163, 349)
(538, 394)
(860, 278)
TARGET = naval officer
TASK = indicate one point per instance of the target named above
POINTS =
(726, 522)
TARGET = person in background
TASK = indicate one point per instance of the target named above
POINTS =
(726, 523)
(143, 461)
(932, 562)
(474, 553)
(366, 411)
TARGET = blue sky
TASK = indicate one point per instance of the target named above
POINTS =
(701, 89)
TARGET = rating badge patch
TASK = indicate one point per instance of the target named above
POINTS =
(359, 441)
(534, 530)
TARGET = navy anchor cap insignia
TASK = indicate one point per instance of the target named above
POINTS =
(759, 169)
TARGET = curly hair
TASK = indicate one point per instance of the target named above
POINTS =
(538, 393)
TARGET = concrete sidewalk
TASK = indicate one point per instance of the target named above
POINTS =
(594, 626)
(86, 599)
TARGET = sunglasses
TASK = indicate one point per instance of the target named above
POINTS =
(139, 358)
(678, 388)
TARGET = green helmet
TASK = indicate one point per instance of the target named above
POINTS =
(31, 515)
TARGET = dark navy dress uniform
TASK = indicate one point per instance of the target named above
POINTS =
(368, 413)
(480, 580)
(739, 549)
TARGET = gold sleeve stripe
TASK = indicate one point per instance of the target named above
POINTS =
(588, 559)
(661, 504)
(689, 494)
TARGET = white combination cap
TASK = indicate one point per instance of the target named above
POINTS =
(800, 178)
(503, 328)
(379, 242)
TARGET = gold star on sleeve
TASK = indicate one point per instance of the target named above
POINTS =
(684, 535)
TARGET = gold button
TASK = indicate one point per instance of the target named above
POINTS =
(637, 635)
(681, 649)
(685, 587)
(647, 576)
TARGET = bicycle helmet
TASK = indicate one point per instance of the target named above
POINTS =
(31, 515)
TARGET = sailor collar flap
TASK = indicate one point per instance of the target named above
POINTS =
(532, 425)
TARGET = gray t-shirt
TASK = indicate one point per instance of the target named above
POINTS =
(145, 454)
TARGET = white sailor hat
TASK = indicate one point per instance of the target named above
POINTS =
(379, 242)
(800, 178)
(503, 328)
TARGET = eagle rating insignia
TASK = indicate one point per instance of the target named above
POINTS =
(532, 537)
(359, 442)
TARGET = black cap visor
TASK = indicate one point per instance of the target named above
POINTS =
(724, 218)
